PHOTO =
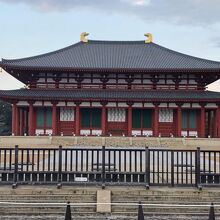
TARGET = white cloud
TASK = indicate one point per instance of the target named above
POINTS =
(138, 2)
(190, 12)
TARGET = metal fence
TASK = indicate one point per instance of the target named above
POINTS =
(106, 166)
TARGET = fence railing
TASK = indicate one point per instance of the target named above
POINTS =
(107, 166)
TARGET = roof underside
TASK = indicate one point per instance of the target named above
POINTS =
(114, 55)
(26, 94)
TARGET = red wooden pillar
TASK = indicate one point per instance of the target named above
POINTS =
(202, 121)
(21, 129)
(14, 118)
(31, 119)
(17, 131)
(77, 119)
(25, 121)
(103, 118)
(130, 119)
(156, 120)
(218, 121)
(215, 123)
(179, 119)
(54, 118)
(210, 133)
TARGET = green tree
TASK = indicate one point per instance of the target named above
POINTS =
(5, 118)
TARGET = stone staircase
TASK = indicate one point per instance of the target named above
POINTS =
(38, 194)
(164, 196)
(49, 194)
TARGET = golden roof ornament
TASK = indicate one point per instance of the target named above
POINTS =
(149, 38)
(83, 36)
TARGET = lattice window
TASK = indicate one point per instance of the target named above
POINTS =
(66, 114)
(166, 115)
(116, 115)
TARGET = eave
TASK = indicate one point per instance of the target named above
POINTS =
(9, 68)
(25, 71)
(13, 98)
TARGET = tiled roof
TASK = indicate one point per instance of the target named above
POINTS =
(26, 94)
(114, 55)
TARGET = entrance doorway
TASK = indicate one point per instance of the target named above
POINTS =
(90, 121)
(43, 121)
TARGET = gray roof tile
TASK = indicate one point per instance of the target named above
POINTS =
(37, 94)
(114, 55)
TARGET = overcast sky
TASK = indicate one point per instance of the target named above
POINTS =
(32, 27)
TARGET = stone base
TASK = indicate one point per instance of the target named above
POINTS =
(54, 141)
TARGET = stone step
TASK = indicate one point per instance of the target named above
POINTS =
(61, 197)
(13, 210)
(165, 192)
(110, 218)
(165, 215)
(166, 199)
(173, 200)
(183, 210)
(135, 201)
(151, 216)
(128, 210)
(50, 198)
(53, 217)
(53, 191)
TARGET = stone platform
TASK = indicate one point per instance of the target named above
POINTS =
(54, 141)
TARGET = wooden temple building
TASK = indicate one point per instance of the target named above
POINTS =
(116, 88)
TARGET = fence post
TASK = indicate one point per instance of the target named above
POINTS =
(172, 168)
(15, 176)
(103, 167)
(198, 167)
(147, 167)
(59, 185)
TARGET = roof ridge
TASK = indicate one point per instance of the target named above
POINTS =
(117, 41)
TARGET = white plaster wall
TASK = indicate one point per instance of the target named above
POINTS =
(22, 103)
(149, 105)
(85, 104)
(122, 104)
(38, 103)
(71, 104)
